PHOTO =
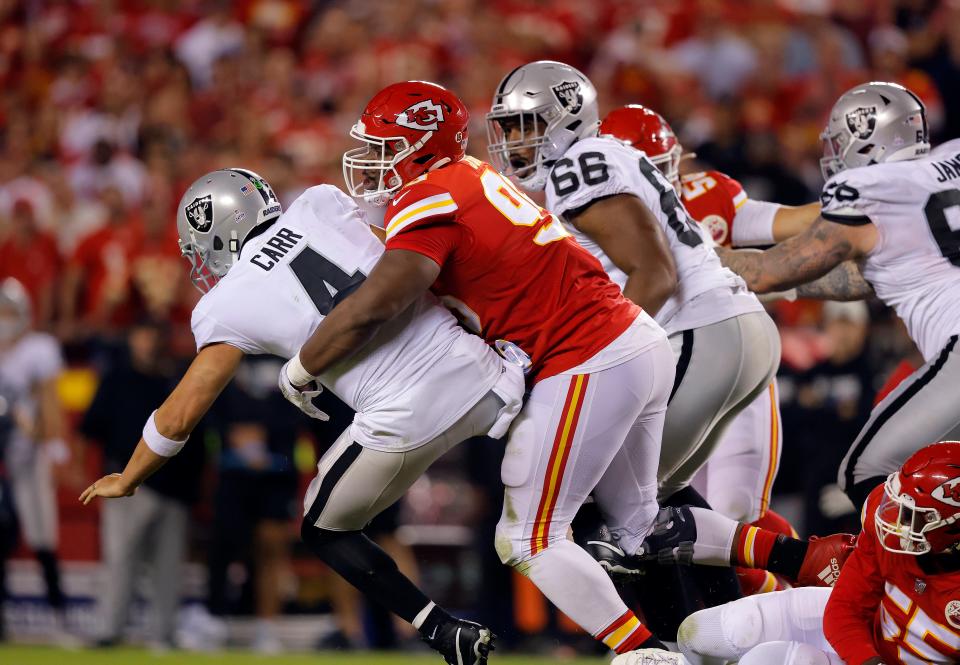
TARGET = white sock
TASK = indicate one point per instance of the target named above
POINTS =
(573, 581)
(715, 535)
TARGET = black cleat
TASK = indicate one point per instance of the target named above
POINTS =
(462, 642)
(604, 546)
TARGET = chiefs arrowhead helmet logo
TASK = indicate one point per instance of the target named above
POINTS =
(425, 116)
(948, 492)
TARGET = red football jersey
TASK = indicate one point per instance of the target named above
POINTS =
(713, 199)
(508, 268)
(885, 605)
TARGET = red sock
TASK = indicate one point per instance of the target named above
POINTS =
(754, 546)
(625, 634)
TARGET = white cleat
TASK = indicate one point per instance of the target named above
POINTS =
(650, 657)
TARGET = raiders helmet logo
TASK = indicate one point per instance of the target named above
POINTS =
(569, 95)
(949, 493)
(200, 213)
(952, 613)
(862, 121)
(425, 116)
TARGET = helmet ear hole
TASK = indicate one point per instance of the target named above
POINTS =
(217, 243)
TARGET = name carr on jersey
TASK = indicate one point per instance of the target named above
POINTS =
(275, 248)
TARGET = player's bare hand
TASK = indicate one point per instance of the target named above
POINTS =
(108, 487)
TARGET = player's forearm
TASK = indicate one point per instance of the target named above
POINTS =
(343, 332)
(650, 291)
(790, 221)
(142, 464)
(843, 283)
(782, 267)
(51, 414)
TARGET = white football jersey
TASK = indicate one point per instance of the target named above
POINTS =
(417, 377)
(34, 358)
(603, 166)
(915, 266)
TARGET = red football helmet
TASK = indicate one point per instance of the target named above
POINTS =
(646, 130)
(920, 509)
(407, 129)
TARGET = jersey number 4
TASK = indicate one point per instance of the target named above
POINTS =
(947, 238)
(324, 281)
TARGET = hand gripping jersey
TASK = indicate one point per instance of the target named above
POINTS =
(508, 267)
(915, 266)
(721, 205)
(918, 618)
(34, 358)
(599, 167)
(411, 382)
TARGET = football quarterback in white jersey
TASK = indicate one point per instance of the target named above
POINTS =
(890, 226)
(419, 387)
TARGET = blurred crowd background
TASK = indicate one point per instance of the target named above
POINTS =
(110, 108)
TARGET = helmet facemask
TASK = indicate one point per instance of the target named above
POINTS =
(370, 171)
(669, 165)
(903, 527)
(540, 142)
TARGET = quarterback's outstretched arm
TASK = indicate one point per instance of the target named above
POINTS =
(399, 278)
(208, 375)
(803, 258)
(630, 235)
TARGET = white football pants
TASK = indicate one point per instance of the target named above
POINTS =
(577, 433)
(779, 627)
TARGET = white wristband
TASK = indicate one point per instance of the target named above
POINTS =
(297, 374)
(157, 442)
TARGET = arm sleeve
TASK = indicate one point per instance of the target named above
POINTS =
(209, 330)
(850, 613)
(418, 204)
(753, 223)
(843, 199)
(436, 241)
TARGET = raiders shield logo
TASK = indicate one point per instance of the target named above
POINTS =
(425, 116)
(862, 121)
(200, 213)
(568, 93)
(952, 613)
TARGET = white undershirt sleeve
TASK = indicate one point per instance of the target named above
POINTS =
(753, 224)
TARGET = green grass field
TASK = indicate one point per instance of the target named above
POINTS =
(47, 656)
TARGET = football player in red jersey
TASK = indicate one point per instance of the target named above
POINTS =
(897, 600)
(600, 369)
(740, 473)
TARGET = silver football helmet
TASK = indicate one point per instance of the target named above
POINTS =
(15, 310)
(215, 216)
(874, 123)
(538, 111)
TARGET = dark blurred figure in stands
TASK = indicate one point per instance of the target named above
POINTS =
(825, 407)
(255, 505)
(151, 526)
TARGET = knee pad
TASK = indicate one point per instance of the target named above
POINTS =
(509, 547)
(743, 624)
(736, 503)
(788, 653)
